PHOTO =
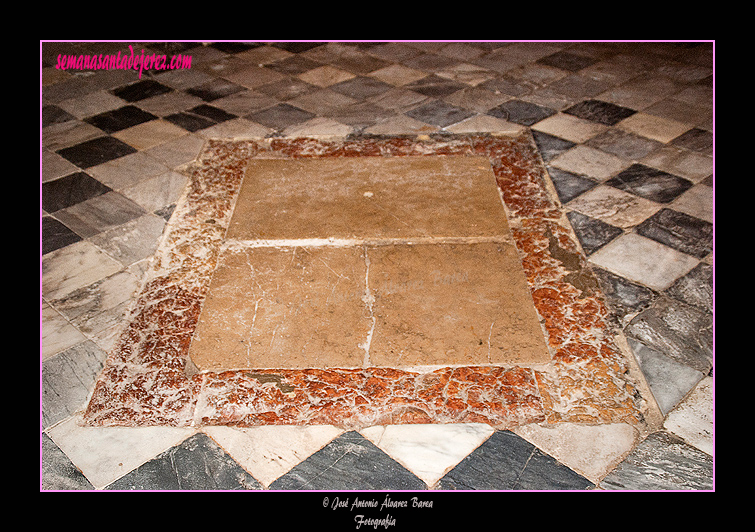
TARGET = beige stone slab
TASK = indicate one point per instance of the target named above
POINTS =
(361, 306)
(368, 197)
(284, 308)
(452, 304)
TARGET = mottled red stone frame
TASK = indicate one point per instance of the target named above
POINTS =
(147, 379)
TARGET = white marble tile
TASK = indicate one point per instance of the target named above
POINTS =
(697, 202)
(104, 454)
(268, 452)
(643, 260)
(614, 206)
(692, 420)
(428, 451)
(569, 127)
(591, 450)
(486, 123)
(590, 162)
(57, 333)
(653, 127)
(76, 266)
(318, 127)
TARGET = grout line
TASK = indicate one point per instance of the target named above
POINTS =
(368, 300)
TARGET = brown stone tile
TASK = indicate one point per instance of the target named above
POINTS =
(284, 308)
(368, 198)
(452, 304)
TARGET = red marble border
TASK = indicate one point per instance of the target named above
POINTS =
(146, 380)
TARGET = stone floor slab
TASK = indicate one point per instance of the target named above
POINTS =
(368, 197)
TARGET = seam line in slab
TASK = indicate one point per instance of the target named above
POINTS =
(234, 245)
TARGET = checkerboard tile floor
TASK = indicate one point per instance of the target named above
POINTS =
(625, 131)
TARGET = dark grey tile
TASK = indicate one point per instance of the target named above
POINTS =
(358, 115)
(507, 462)
(522, 113)
(435, 86)
(281, 116)
(99, 214)
(622, 296)
(198, 463)
(199, 117)
(56, 235)
(52, 114)
(695, 288)
(361, 87)
(680, 231)
(287, 89)
(669, 380)
(650, 183)
(439, 113)
(58, 472)
(214, 90)
(350, 462)
(593, 234)
(662, 462)
(430, 62)
(677, 330)
(605, 113)
(551, 147)
(695, 139)
(566, 60)
(569, 186)
(624, 144)
(67, 380)
(119, 119)
(70, 190)
(235, 47)
(96, 151)
(297, 47)
(140, 90)
(293, 65)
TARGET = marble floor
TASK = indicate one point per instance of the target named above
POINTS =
(603, 153)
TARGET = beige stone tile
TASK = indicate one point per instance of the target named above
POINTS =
(697, 202)
(398, 75)
(569, 128)
(684, 163)
(590, 162)
(325, 76)
(368, 197)
(150, 134)
(614, 206)
(486, 123)
(643, 260)
(445, 304)
(284, 308)
(653, 127)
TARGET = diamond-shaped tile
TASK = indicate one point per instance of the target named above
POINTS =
(428, 451)
(566, 60)
(523, 113)
(435, 86)
(281, 116)
(96, 151)
(605, 113)
(644, 261)
(680, 231)
(214, 90)
(650, 183)
(593, 234)
(141, 90)
(350, 462)
(197, 463)
(118, 119)
(662, 462)
(439, 113)
(269, 452)
(508, 462)
(70, 190)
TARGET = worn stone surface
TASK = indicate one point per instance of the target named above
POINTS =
(149, 379)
